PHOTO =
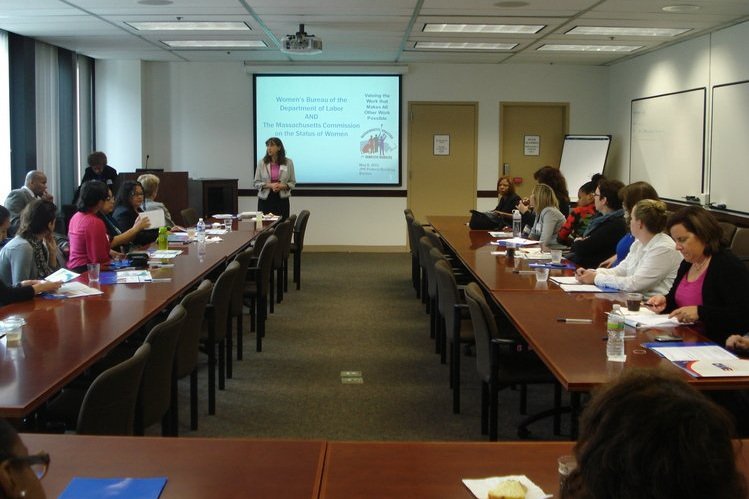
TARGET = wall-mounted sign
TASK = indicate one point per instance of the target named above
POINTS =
(441, 145)
(532, 145)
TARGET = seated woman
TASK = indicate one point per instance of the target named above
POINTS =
(650, 267)
(150, 183)
(629, 195)
(88, 235)
(508, 198)
(711, 285)
(581, 214)
(548, 217)
(20, 473)
(605, 228)
(554, 178)
(120, 241)
(650, 435)
(32, 254)
(127, 207)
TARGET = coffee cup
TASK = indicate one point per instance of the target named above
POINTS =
(633, 301)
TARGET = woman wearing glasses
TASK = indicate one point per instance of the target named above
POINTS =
(87, 234)
(20, 473)
(127, 209)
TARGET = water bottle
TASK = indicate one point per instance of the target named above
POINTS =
(163, 239)
(201, 251)
(615, 343)
(259, 220)
(200, 230)
(516, 222)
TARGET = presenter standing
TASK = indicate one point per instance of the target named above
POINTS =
(274, 179)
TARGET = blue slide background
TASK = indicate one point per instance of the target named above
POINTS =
(341, 129)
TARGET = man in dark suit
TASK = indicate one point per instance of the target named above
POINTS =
(35, 187)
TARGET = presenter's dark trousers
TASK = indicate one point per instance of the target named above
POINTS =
(274, 204)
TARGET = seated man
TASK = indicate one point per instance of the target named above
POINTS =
(35, 187)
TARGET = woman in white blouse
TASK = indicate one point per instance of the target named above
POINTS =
(651, 265)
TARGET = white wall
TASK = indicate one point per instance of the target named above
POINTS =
(197, 117)
(721, 57)
(118, 113)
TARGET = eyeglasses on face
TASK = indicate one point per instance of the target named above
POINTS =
(136, 194)
(39, 463)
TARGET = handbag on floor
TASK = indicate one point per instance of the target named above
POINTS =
(485, 220)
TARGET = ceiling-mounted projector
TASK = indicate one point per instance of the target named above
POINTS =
(301, 43)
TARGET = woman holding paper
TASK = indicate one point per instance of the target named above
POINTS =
(127, 209)
(651, 264)
(711, 285)
(119, 240)
(548, 219)
(32, 253)
(274, 179)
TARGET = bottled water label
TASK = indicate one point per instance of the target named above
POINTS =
(615, 343)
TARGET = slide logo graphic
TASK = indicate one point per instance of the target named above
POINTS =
(377, 143)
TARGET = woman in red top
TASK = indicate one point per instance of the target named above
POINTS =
(87, 233)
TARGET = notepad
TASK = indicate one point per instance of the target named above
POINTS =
(114, 488)
(155, 218)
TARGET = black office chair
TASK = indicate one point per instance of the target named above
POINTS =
(257, 287)
(500, 364)
(297, 245)
(189, 217)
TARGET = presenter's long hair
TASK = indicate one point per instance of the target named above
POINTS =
(281, 151)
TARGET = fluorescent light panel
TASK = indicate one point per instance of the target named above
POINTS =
(189, 26)
(526, 29)
(465, 45)
(556, 47)
(625, 31)
(223, 44)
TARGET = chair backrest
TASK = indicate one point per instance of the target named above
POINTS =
(434, 238)
(194, 302)
(292, 219)
(740, 242)
(155, 387)
(237, 295)
(109, 404)
(217, 315)
(447, 291)
(413, 240)
(729, 230)
(484, 327)
(300, 228)
(434, 256)
(425, 260)
(283, 233)
(265, 264)
(408, 212)
(259, 242)
(189, 216)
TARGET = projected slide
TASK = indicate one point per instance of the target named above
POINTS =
(338, 130)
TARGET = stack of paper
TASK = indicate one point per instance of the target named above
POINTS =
(571, 285)
(700, 360)
(517, 241)
(74, 289)
(133, 276)
(500, 235)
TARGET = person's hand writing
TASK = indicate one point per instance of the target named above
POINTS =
(588, 276)
(737, 342)
(685, 314)
(42, 286)
(656, 303)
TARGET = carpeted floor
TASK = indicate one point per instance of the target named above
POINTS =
(355, 312)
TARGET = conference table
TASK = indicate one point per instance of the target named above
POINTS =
(574, 353)
(63, 337)
(304, 469)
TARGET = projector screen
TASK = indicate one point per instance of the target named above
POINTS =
(338, 129)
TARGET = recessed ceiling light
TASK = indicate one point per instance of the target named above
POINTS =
(215, 44)
(625, 31)
(155, 2)
(484, 28)
(555, 47)
(680, 8)
(465, 45)
(509, 4)
(189, 26)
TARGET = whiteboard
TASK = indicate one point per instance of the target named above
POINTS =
(667, 143)
(582, 157)
(729, 156)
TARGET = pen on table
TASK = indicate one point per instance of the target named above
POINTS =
(575, 321)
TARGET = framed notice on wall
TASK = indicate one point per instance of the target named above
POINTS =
(441, 145)
(532, 145)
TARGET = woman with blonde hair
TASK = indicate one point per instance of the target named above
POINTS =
(548, 219)
(651, 264)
